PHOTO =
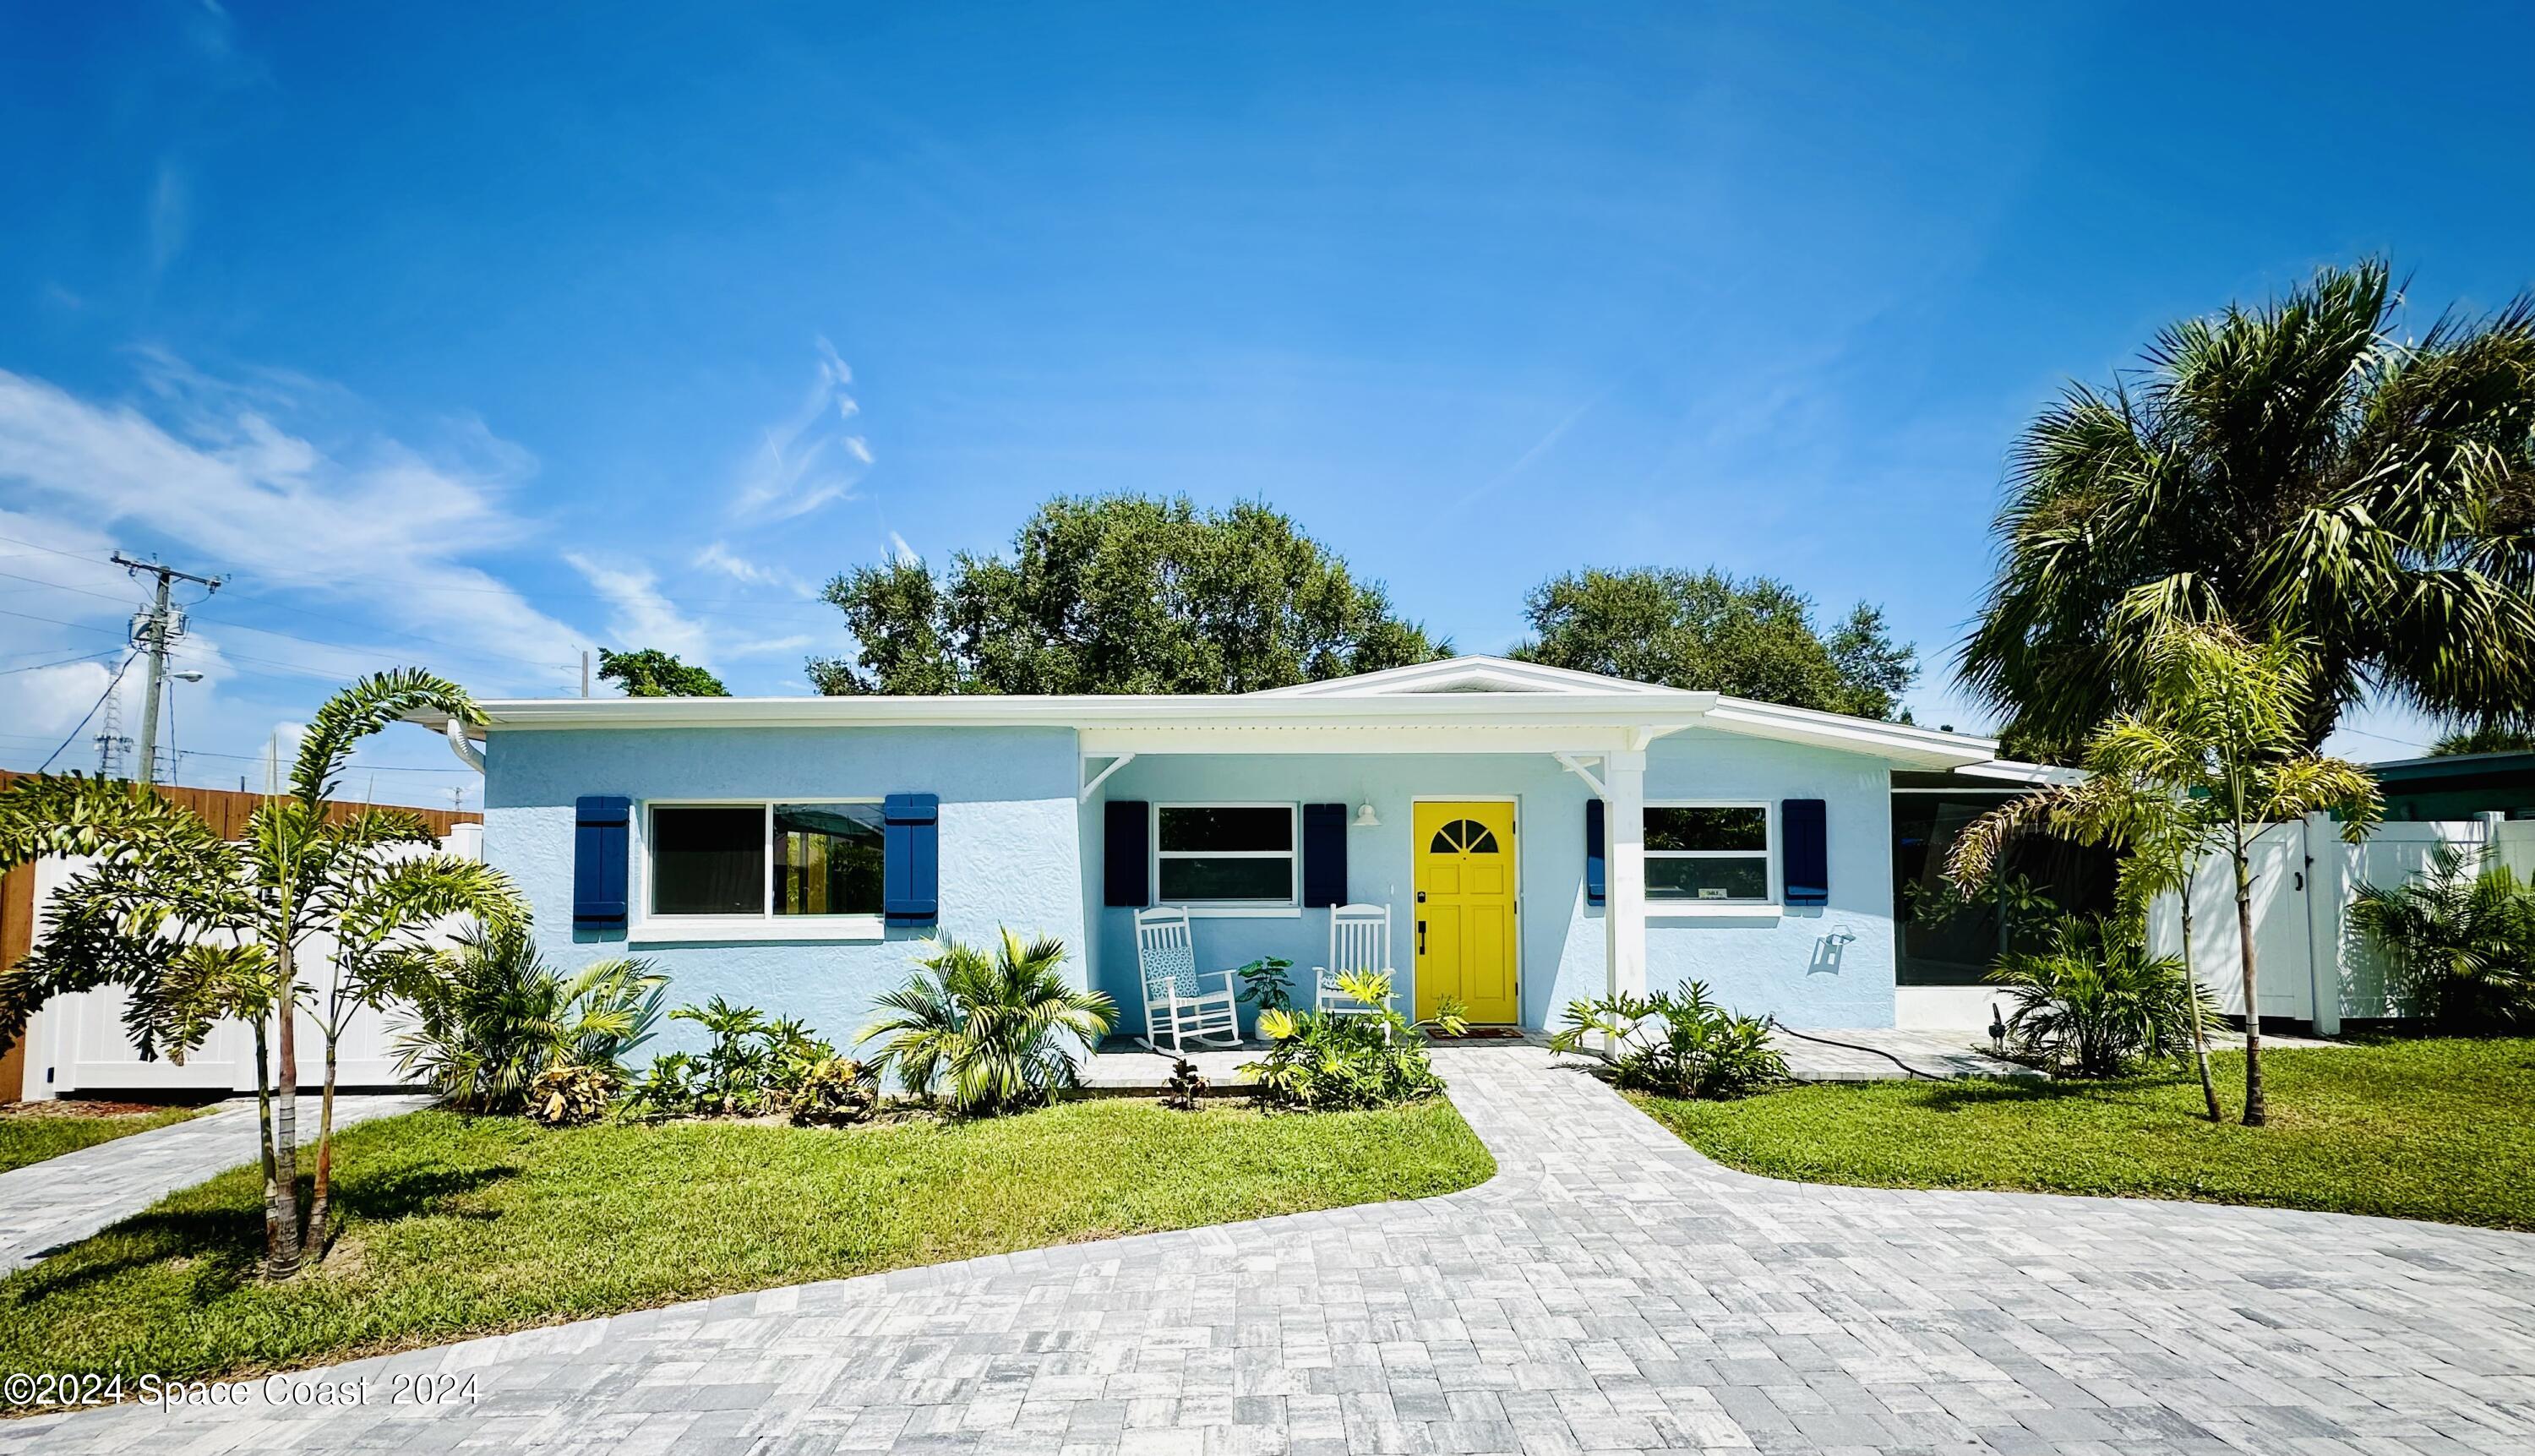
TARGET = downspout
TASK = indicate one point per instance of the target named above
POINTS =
(459, 744)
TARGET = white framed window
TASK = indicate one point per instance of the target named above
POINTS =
(1710, 854)
(1229, 858)
(786, 869)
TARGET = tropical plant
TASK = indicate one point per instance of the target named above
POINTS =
(2485, 737)
(490, 1016)
(1673, 1044)
(1268, 984)
(2161, 829)
(196, 928)
(2301, 471)
(1121, 594)
(571, 1095)
(667, 1088)
(2096, 1003)
(990, 1033)
(834, 1090)
(1327, 1061)
(1186, 1087)
(2220, 734)
(735, 1069)
(2462, 939)
(1754, 638)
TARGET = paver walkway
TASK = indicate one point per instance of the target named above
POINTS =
(1609, 1291)
(62, 1200)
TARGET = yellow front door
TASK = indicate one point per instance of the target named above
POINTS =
(1465, 910)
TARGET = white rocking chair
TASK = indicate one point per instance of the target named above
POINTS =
(1178, 1007)
(1359, 940)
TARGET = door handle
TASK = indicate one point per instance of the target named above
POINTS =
(2297, 879)
(1421, 937)
(1421, 896)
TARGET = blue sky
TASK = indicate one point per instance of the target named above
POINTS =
(473, 336)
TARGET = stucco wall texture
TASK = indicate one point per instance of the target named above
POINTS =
(1017, 849)
(1008, 847)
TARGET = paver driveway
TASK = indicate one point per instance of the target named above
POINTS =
(1609, 1291)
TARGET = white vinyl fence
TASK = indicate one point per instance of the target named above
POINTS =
(77, 1046)
(2311, 964)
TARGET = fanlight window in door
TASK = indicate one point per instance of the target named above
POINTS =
(1463, 837)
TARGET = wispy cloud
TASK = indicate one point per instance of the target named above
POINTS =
(370, 526)
(1540, 450)
(813, 457)
(642, 616)
(904, 553)
(717, 556)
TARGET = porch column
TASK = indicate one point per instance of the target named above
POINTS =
(1624, 848)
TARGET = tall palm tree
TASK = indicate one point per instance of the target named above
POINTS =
(198, 929)
(2297, 469)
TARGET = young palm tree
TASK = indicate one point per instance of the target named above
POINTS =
(2160, 830)
(2298, 470)
(198, 929)
(998, 1033)
(2218, 745)
(490, 1015)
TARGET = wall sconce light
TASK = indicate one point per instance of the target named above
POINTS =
(1365, 818)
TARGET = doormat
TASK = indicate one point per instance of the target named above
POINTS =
(1481, 1033)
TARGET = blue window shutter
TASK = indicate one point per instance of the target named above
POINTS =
(1126, 852)
(910, 859)
(1325, 850)
(601, 858)
(1595, 883)
(1806, 862)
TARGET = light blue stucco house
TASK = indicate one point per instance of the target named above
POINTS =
(1538, 836)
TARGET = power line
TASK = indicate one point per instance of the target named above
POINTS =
(60, 662)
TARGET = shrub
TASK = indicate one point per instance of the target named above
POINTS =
(834, 1090)
(1182, 1093)
(667, 1089)
(752, 1067)
(1673, 1044)
(1266, 983)
(1321, 1060)
(2463, 944)
(734, 1070)
(570, 1095)
(990, 1033)
(497, 1016)
(2096, 1003)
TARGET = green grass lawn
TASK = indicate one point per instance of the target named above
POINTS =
(31, 1133)
(460, 1226)
(2418, 1129)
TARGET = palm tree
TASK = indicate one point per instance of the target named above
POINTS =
(998, 1031)
(198, 929)
(2296, 470)
(490, 1015)
(2160, 830)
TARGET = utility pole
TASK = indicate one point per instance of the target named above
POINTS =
(154, 631)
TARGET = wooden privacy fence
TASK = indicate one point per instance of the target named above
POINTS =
(225, 810)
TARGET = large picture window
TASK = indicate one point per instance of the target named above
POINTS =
(1224, 855)
(761, 861)
(1709, 854)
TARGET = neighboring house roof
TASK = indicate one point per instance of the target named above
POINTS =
(1476, 703)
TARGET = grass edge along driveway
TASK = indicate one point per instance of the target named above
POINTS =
(27, 1138)
(2441, 1129)
(459, 1226)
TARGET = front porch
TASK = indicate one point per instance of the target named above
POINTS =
(1121, 1065)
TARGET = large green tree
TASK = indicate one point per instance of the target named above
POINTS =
(1751, 638)
(653, 673)
(1121, 594)
(2299, 468)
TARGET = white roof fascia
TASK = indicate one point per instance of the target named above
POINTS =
(2016, 771)
(1896, 741)
(1486, 674)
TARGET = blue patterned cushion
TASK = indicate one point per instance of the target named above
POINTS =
(1172, 966)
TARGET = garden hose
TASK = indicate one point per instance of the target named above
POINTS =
(1776, 1024)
